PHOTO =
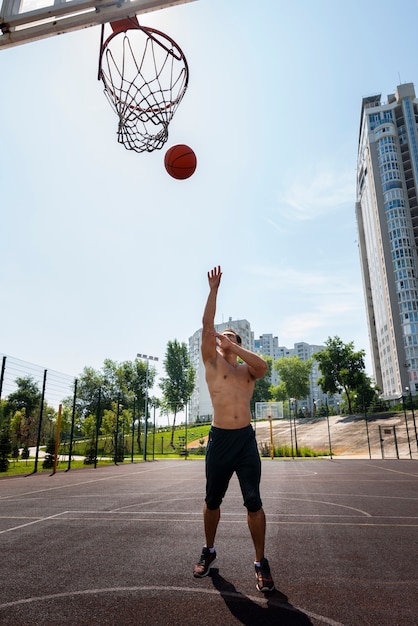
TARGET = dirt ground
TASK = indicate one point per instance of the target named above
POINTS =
(382, 436)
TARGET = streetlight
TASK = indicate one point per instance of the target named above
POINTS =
(147, 358)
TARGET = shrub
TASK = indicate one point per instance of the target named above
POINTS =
(48, 462)
(5, 449)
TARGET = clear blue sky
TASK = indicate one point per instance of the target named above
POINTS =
(103, 255)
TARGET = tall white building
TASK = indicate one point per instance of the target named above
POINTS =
(387, 221)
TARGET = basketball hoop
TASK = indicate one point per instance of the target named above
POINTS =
(145, 76)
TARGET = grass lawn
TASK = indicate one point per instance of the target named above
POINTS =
(158, 447)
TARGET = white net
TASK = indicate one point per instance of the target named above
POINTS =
(145, 76)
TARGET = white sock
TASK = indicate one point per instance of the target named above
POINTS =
(211, 550)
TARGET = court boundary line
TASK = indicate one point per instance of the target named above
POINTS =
(100, 516)
(214, 592)
(36, 521)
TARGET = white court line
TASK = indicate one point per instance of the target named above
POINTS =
(283, 494)
(85, 482)
(37, 521)
(344, 506)
(212, 592)
(84, 516)
(387, 469)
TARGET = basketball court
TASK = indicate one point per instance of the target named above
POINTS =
(117, 545)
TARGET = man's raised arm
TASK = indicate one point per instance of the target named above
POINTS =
(208, 321)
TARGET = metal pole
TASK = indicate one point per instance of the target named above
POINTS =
(271, 437)
(413, 418)
(329, 431)
(35, 469)
(133, 433)
(57, 438)
(117, 433)
(381, 442)
(367, 428)
(407, 432)
(72, 426)
(291, 431)
(147, 358)
(3, 367)
(146, 412)
(96, 443)
(153, 437)
(294, 422)
(396, 442)
(185, 440)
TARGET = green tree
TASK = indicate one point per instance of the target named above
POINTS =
(135, 380)
(126, 381)
(3, 413)
(17, 426)
(89, 383)
(294, 378)
(342, 368)
(178, 385)
(262, 387)
(89, 426)
(366, 391)
(27, 400)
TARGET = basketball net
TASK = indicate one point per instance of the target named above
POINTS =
(145, 76)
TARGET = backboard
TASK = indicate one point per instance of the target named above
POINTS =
(23, 21)
(268, 410)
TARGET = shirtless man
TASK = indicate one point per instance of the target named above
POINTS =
(231, 446)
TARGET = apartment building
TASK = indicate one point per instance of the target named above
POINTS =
(267, 345)
(387, 222)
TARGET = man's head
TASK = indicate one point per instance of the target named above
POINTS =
(232, 335)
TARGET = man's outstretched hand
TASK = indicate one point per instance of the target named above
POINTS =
(214, 277)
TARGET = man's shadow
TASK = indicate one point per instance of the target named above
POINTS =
(277, 611)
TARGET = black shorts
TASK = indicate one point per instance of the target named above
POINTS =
(230, 451)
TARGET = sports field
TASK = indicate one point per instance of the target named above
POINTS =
(116, 545)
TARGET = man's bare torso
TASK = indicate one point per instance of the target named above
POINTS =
(231, 388)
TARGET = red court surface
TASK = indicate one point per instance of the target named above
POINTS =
(116, 546)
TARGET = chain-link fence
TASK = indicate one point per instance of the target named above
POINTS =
(389, 435)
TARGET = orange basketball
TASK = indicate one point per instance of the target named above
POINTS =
(180, 161)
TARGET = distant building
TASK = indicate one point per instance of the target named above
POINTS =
(200, 403)
(267, 345)
(387, 222)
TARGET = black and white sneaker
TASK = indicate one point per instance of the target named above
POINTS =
(202, 567)
(264, 579)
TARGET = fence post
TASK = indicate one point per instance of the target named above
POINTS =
(72, 425)
(329, 431)
(3, 367)
(96, 443)
(133, 433)
(35, 469)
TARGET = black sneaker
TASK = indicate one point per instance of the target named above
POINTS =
(263, 575)
(207, 559)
